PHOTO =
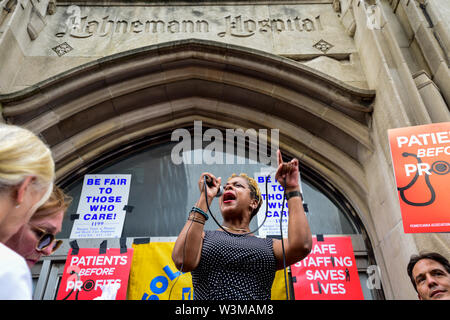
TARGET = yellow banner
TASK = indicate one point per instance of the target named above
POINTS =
(154, 276)
(278, 287)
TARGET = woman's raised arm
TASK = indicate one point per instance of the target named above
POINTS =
(299, 241)
(188, 246)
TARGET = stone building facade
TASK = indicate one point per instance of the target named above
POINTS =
(96, 77)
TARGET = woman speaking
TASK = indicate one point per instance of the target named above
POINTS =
(236, 265)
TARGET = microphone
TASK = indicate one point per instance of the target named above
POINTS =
(209, 182)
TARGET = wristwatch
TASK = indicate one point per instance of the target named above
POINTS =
(294, 194)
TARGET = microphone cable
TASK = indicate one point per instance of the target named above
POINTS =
(243, 234)
(282, 242)
(267, 209)
(215, 220)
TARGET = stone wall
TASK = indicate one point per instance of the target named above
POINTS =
(74, 35)
(397, 49)
(391, 57)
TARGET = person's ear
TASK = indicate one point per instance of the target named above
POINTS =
(22, 189)
(253, 204)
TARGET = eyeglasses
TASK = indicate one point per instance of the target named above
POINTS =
(46, 239)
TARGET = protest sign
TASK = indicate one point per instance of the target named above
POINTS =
(275, 210)
(101, 207)
(154, 276)
(421, 163)
(329, 272)
(89, 275)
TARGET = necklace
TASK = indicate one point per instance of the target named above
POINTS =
(235, 229)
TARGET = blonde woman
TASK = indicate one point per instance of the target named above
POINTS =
(37, 237)
(26, 182)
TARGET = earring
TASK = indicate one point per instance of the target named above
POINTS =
(18, 206)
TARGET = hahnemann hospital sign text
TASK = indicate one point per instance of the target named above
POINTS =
(92, 31)
(236, 26)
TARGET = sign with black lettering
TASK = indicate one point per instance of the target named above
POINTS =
(421, 163)
(329, 272)
(101, 207)
(273, 203)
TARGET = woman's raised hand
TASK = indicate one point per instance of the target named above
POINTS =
(288, 171)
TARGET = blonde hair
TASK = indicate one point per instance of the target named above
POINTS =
(23, 154)
(58, 201)
(255, 193)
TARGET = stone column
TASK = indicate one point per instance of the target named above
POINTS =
(431, 95)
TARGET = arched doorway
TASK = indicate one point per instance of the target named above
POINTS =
(119, 106)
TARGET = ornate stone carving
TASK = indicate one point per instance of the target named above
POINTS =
(323, 46)
(62, 49)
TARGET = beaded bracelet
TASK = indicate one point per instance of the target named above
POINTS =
(203, 213)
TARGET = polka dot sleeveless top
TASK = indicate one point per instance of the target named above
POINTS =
(234, 267)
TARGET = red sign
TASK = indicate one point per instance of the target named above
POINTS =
(329, 272)
(89, 275)
(421, 161)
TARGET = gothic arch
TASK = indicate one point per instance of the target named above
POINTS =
(105, 104)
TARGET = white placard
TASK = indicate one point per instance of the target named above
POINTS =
(101, 205)
(274, 197)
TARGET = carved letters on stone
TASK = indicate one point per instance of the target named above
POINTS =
(235, 26)
(238, 27)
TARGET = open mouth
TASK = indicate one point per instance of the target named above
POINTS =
(228, 197)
